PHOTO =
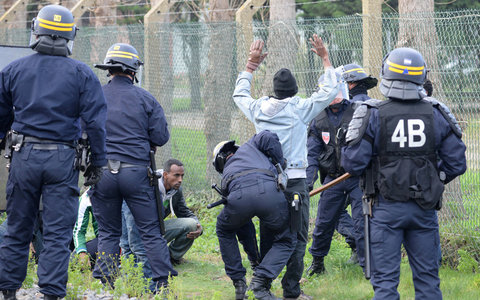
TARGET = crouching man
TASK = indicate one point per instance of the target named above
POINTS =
(249, 181)
(180, 232)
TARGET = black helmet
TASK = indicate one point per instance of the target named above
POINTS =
(122, 56)
(220, 153)
(355, 73)
(55, 21)
(53, 31)
(403, 73)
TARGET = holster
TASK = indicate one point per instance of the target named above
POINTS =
(295, 212)
(114, 166)
(282, 178)
(82, 153)
(13, 142)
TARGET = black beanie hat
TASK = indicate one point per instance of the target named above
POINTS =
(284, 84)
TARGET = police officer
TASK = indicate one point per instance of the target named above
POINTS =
(250, 181)
(135, 122)
(326, 138)
(48, 93)
(413, 145)
(358, 82)
(288, 115)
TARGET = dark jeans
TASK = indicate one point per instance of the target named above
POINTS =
(49, 175)
(131, 185)
(397, 223)
(291, 279)
(249, 198)
(330, 206)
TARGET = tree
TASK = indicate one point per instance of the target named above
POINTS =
(282, 42)
(192, 47)
(219, 78)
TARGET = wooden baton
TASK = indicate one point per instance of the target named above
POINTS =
(330, 184)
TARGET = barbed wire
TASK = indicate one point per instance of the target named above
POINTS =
(204, 9)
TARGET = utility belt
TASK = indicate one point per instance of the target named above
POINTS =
(14, 141)
(114, 166)
(226, 181)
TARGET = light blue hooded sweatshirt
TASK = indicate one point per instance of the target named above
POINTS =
(288, 118)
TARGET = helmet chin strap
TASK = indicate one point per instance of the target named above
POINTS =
(47, 45)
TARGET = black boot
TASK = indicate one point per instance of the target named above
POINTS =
(240, 288)
(50, 297)
(317, 266)
(9, 294)
(261, 288)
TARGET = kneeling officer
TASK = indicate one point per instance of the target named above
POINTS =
(249, 182)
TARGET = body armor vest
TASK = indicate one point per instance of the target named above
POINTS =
(334, 139)
(407, 162)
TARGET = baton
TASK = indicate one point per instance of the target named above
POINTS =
(158, 195)
(330, 184)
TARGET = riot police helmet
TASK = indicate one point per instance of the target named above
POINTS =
(53, 31)
(403, 73)
(121, 56)
(355, 73)
(221, 153)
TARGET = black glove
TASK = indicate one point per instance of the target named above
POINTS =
(92, 175)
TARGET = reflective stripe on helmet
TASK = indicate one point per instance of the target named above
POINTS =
(407, 70)
(56, 23)
(359, 70)
(116, 53)
(54, 27)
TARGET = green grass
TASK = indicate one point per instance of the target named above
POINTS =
(202, 276)
(181, 104)
(190, 147)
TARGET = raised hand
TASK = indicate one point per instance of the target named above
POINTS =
(255, 57)
(320, 49)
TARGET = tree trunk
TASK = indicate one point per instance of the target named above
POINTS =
(191, 57)
(417, 30)
(104, 15)
(219, 79)
(282, 43)
(161, 81)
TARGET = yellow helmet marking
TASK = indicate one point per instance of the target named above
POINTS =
(359, 70)
(55, 28)
(118, 55)
(112, 53)
(57, 18)
(403, 71)
(56, 23)
(404, 67)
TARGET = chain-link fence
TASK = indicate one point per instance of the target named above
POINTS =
(191, 69)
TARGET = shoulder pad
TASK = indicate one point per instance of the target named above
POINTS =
(373, 102)
(447, 114)
(359, 122)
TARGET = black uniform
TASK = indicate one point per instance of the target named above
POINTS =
(135, 122)
(249, 179)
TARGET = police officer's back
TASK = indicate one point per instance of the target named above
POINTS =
(249, 182)
(413, 145)
(48, 94)
(135, 124)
